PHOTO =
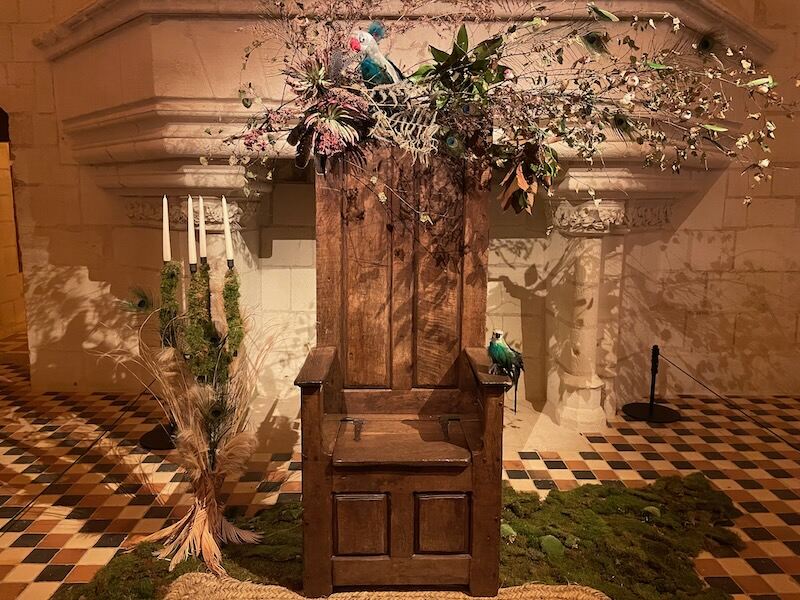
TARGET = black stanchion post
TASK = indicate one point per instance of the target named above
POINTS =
(650, 411)
(653, 376)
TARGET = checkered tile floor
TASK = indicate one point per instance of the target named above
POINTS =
(17, 343)
(117, 491)
(756, 469)
(114, 491)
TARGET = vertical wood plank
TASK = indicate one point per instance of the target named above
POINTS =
(402, 272)
(476, 259)
(317, 488)
(402, 517)
(367, 277)
(438, 278)
(329, 251)
(487, 500)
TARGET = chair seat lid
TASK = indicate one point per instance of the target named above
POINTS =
(408, 443)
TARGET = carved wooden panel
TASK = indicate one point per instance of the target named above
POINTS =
(442, 524)
(361, 524)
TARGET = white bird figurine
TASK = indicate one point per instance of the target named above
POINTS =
(376, 69)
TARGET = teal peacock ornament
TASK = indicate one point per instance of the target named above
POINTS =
(505, 360)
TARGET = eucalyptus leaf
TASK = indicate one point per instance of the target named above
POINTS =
(602, 14)
(488, 47)
(536, 23)
(422, 72)
(462, 39)
(769, 81)
(439, 56)
(716, 128)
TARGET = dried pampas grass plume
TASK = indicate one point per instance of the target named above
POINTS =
(213, 441)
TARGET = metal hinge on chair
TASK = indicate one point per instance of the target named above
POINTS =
(358, 425)
(445, 421)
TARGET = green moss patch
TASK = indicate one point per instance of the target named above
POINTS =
(631, 544)
(138, 575)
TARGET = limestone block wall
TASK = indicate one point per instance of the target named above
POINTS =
(286, 267)
(80, 254)
(721, 290)
(522, 266)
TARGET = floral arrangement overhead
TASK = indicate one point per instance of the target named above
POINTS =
(539, 84)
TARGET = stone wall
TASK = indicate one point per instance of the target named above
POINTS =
(720, 293)
(80, 256)
(286, 260)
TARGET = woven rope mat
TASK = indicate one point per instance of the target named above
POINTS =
(203, 586)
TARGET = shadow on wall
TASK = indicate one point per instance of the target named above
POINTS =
(75, 288)
(526, 266)
(732, 329)
(73, 321)
(287, 278)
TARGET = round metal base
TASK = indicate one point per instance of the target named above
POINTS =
(158, 438)
(657, 413)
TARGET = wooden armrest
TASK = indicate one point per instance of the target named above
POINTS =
(318, 369)
(480, 364)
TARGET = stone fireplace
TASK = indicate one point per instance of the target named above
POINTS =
(142, 89)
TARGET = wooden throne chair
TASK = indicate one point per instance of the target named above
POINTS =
(401, 421)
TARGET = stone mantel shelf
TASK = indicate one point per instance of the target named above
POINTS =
(103, 16)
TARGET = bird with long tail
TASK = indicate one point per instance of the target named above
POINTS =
(505, 360)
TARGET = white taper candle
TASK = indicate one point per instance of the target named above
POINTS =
(203, 248)
(190, 232)
(226, 223)
(166, 247)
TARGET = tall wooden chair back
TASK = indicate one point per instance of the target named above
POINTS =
(399, 296)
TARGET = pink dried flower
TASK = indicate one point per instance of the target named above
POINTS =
(328, 143)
